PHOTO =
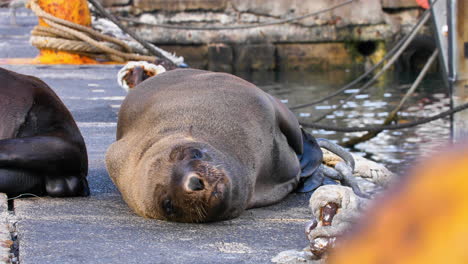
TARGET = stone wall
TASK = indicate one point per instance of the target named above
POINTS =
(355, 34)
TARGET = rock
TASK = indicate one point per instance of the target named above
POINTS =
(295, 257)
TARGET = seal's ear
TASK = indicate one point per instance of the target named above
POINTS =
(135, 72)
(289, 125)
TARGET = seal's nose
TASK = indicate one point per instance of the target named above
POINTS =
(195, 184)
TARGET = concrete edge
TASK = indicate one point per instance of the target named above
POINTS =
(5, 236)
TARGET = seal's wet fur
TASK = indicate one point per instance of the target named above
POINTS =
(198, 146)
(41, 149)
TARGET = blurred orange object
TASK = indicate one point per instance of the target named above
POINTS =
(424, 219)
(423, 3)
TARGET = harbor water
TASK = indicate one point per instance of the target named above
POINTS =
(397, 149)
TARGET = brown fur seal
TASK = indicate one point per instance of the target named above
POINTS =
(198, 146)
(41, 149)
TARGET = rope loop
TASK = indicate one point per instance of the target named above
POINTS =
(67, 36)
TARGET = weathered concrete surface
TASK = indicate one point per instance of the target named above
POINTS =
(359, 12)
(295, 256)
(399, 3)
(5, 228)
(360, 21)
(108, 3)
(369, 19)
(286, 33)
(16, 38)
(326, 55)
(195, 55)
(101, 228)
(179, 5)
(461, 84)
(255, 57)
(220, 57)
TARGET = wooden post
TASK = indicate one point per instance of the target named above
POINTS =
(461, 83)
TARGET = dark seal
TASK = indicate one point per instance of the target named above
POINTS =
(41, 149)
(198, 146)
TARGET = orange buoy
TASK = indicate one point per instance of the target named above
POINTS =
(76, 11)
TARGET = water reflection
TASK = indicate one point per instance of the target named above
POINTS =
(396, 149)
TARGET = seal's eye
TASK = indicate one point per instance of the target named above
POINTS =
(196, 154)
(189, 153)
(167, 206)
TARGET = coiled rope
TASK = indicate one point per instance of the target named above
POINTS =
(67, 36)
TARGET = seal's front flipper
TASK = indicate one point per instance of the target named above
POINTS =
(311, 183)
(66, 186)
(45, 154)
(42, 164)
(310, 160)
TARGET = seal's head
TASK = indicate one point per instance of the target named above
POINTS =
(189, 183)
